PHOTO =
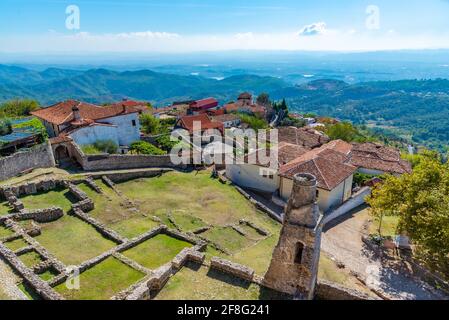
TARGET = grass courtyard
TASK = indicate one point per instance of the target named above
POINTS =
(4, 208)
(156, 251)
(72, 241)
(111, 210)
(57, 198)
(200, 283)
(194, 200)
(102, 281)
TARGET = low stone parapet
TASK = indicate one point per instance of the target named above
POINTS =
(41, 215)
(85, 205)
(232, 268)
(159, 277)
(42, 288)
(331, 291)
(77, 193)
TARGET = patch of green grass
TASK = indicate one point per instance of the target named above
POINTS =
(251, 232)
(4, 209)
(57, 198)
(31, 259)
(111, 211)
(134, 226)
(195, 283)
(389, 226)
(72, 241)
(16, 244)
(194, 193)
(258, 256)
(29, 292)
(5, 232)
(103, 281)
(48, 275)
(228, 239)
(156, 251)
(187, 222)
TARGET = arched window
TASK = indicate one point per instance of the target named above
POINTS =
(299, 252)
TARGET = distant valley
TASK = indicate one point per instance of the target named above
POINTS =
(415, 110)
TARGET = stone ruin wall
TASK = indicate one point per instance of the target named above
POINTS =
(40, 156)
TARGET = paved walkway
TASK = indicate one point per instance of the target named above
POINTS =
(343, 241)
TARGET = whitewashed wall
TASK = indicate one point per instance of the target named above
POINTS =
(249, 176)
(89, 135)
(127, 133)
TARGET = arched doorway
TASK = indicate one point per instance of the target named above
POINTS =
(61, 154)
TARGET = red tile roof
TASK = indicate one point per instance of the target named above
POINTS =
(204, 104)
(206, 123)
(62, 113)
(305, 137)
(379, 157)
(329, 173)
(286, 153)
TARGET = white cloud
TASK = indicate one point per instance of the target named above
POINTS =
(314, 29)
(159, 41)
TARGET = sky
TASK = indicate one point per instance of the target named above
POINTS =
(175, 26)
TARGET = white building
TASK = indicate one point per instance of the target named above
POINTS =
(87, 123)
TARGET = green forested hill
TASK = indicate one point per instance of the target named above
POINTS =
(414, 109)
(417, 110)
(101, 85)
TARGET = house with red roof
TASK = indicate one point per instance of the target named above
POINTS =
(201, 121)
(202, 106)
(87, 123)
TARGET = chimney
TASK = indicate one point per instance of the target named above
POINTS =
(76, 112)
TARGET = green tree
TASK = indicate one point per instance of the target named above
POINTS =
(150, 124)
(343, 130)
(263, 99)
(421, 200)
(18, 108)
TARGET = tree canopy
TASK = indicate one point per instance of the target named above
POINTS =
(421, 200)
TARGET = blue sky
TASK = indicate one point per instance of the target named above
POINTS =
(202, 25)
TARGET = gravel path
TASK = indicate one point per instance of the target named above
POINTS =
(8, 285)
(343, 242)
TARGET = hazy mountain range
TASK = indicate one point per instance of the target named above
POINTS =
(416, 110)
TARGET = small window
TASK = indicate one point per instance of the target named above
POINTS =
(134, 123)
(299, 252)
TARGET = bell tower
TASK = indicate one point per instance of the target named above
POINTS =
(294, 265)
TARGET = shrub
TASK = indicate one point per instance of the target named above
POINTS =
(18, 108)
(107, 146)
(101, 146)
(165, 143)
(142, 147)
(253, 122)
(5, 127)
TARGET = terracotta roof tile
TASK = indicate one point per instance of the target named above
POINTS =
(62, 113)
(206, 123)
(379, 157)
(302, 136)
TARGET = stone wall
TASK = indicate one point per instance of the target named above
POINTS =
(232, 268)
(330, 291)
(40, 156)
(41, 216)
